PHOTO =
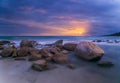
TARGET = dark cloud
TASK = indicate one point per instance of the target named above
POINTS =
(103, 16)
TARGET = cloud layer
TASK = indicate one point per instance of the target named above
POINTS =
(59, 17)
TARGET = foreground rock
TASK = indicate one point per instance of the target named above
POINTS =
(105, 64)
(88, 51)
(70, 46)
(71, 66)
(40, 65)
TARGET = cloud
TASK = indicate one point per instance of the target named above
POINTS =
(74, 27)
(42, 16)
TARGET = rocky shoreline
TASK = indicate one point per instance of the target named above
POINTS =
(56, 52)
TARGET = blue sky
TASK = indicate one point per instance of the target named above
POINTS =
(59, 17)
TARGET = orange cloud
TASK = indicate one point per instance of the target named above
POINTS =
(72, 28)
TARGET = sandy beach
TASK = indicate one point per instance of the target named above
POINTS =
(12, 71)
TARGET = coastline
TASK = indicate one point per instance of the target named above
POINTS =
(19, 71)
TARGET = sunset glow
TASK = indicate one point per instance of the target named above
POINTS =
(59, 17)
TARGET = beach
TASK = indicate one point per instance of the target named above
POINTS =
(13, 71)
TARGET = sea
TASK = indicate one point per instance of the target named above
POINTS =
(52, 39)
(91, 72)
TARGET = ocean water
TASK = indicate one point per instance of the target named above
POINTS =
(51, 39)
(86, 72)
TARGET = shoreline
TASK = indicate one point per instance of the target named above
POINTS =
(19, 71)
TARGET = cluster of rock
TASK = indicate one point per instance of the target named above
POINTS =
(56, 53)
(108, 41)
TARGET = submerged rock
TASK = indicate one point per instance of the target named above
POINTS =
(70, 46)
(88, 51)
(105, 64)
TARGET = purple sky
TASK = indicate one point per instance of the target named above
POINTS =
(59, 17)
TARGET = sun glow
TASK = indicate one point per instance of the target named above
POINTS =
(77, 28)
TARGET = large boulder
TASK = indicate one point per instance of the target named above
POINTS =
(88, 51)
(70, 46)
(40, 65)
(23, 51)
(60, 58)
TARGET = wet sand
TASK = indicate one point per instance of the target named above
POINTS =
(12, 71)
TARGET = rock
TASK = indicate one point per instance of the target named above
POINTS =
(116, 41)
(32, 43)
(23, 51)
(35, 57)
(45, 52)
(55, 50)
(20, 58)
(88, 51)
(60, 58)
(70, 46)
(71, 66)
(3, 42)
(1, 47)
(48, 44)
(58, 43)
(98, 40)
(34, 51)
(14, 52)
(48, 59)
(40, 65)
(26, 42)
(105, 64)
(7, 52)
(34, 54)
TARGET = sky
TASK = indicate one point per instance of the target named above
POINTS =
(59, 17)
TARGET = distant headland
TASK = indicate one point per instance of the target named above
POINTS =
(114, 34)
